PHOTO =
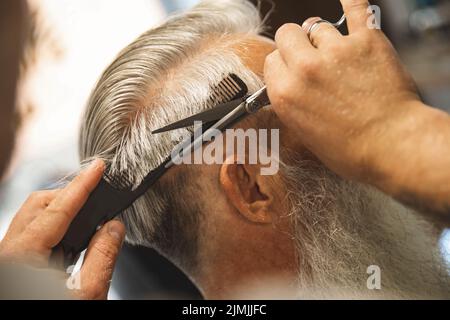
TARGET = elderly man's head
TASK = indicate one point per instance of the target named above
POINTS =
(227, 225)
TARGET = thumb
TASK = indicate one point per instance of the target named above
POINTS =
(97, 270)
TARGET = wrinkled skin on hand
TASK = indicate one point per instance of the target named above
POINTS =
(41, 223)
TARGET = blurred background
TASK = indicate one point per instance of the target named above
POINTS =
(53, 51)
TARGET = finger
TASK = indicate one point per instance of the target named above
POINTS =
(356, 13)
(275, 70)
(274, 67)
(49, 227)
(32, 207)
(98, 266)
(320, 33)
(292, 42)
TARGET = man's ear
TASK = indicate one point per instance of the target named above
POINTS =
(247, 191)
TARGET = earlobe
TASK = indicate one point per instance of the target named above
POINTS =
(247, 191)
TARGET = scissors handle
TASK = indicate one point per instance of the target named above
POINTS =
(340, 22)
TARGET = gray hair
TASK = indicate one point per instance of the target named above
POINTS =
(163, 76)
(343, 227)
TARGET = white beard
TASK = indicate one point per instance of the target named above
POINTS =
(342, 228)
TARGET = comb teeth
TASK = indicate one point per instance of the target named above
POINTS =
(230, 88)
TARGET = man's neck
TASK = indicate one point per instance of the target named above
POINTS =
(240, 272)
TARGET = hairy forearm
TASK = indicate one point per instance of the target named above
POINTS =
(415, 165)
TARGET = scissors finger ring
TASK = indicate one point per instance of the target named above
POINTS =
(315, 25)
(318, 22)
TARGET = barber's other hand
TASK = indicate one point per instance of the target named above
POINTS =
(44, 218)
(341, 92)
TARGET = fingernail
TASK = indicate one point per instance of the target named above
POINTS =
(115, 231)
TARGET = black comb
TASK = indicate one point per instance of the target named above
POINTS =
(229, 93)
(115, 193)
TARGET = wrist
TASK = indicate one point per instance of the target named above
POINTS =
(393, 145)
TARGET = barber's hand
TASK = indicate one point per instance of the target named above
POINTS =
(42, 222)
(343, 94)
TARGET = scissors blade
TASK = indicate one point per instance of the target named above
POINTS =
(207, 116)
